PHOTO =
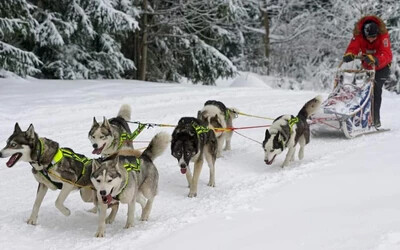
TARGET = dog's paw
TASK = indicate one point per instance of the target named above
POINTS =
(100, 234)
(192, 194)
(211, 184)
(128, 225)
(109, 220)
(144, 218)
(65, 211)
(31, 221)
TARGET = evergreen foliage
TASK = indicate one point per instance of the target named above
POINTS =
(200, 40)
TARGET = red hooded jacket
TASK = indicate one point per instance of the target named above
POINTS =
(380, 48)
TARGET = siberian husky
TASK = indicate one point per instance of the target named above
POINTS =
(217, 115)
(193, 141)
(53, 167)
(287, 130)
(106, 137)
(126, 177)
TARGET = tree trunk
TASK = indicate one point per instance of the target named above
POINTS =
(143, 58)
(266, 39)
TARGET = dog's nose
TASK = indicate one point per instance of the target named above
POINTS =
(102, 192)
(95, 145)
(183, 165)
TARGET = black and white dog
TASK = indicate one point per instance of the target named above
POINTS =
(217, 115)
(193, 141)
(287, 130)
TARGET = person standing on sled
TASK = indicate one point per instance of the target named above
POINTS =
(371, 38)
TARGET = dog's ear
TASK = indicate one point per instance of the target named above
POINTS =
(95, 123)
(106, 123)
(95, 165)
(267, 135)
(17, 129)
(31, 131)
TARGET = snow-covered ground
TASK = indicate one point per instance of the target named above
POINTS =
(345, 194)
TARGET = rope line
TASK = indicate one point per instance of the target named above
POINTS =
(251, 139)
(256, 116)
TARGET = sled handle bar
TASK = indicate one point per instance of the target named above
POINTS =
(355, 70)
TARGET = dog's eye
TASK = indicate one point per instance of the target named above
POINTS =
(98, 181)
(102, 137)
(13, 144)
(109, 181)
(271, 151)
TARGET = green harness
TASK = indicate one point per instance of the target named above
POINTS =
(129, 137)
(60, 154)
(129, 167)
(200, 129)
(291, 123)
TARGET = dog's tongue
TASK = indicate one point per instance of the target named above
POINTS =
(183, 170)
(96, 151)
(13, 159)
(107, 199)
(270, 162)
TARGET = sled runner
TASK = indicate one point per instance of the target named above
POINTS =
(349, 107)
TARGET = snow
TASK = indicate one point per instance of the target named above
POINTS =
(248, 79)
(344, 194)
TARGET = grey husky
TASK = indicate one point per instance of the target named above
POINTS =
(108, 137)
(53, 167)
(127, 177)
(193, 141)
(287, 130)
(217, 115)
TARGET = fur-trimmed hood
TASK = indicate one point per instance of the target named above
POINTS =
(360, 23)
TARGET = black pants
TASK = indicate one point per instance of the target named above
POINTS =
(381, 76)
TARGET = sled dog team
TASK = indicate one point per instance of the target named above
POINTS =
(125, 175)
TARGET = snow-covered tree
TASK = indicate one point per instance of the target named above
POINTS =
(16, 38)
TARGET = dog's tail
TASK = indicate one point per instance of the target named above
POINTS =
(157, 145)
(125, 112)
(311, 107)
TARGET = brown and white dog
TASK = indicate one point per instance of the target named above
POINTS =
(287, 130)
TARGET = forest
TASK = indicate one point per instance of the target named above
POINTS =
(197, 40)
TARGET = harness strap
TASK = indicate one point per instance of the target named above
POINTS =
(129, 167)
(130, 137)
(291, 123)
(200, 129)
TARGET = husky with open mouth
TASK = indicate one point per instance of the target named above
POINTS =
(288, 130)
(111, 135)
(193, 141)
(128, 176)
(53, 167)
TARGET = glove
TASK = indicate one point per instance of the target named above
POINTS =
(348, 57)
(370, 60)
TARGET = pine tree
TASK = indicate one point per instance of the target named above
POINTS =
(16, 38)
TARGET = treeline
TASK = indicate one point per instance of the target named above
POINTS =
(168, 40)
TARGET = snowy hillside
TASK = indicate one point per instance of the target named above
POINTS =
(344, 194)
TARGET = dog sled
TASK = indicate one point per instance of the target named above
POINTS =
(348, 107)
